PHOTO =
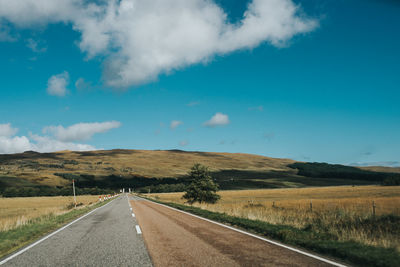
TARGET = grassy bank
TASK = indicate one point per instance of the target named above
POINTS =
(15, 212)
(33, 229)
(310, 239)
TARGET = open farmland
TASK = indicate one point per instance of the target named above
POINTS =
(19, 211)
(343, 212)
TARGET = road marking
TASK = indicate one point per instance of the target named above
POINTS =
(133, 214)
(130, 209)
(255, 236)
(138, 230)
(50, 235)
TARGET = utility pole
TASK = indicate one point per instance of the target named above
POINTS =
(73, 187)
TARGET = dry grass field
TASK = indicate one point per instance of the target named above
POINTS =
(342, 211)
(15, 212)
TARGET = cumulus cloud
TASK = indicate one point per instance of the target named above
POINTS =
(80, 131)
(48, 144)
(9, 143)
(142, 39)
(174, 124)
(57, 84)
(219, 119)
(6, 130)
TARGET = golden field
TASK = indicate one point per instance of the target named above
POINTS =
(337, 210)
(19, 211)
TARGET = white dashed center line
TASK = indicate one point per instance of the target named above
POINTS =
(138, 230)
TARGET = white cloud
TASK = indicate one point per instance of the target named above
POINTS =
(80, 131)
(142, 39)
(9, 143)
(6, 130)
(57, 84)
(174, 124)
(14, 144)
(218, 119)
(47, 144)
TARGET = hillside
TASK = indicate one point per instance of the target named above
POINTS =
(113, 169)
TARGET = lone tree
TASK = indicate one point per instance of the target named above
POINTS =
(202, 187)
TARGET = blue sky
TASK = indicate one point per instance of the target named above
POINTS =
(327, 91)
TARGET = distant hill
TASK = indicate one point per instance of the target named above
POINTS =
(167, 170)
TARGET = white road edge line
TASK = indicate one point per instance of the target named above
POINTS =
(138, 230)
(133, 214)
(50, 235)
(256, 236)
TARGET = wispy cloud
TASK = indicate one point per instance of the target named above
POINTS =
(378, 163)
(269, 136)
(183, 143)
(258, 108)
(80, 131)
(219, 119)
(57, 84)
(5, 34)
(193, 103)
(174, 124)
(36, 46)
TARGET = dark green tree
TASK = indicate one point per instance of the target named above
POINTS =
(202, 188)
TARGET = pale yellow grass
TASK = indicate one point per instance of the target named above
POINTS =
(337, 210)
(18, 211)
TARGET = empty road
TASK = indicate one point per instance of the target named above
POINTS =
(106, 237)
(136, 232)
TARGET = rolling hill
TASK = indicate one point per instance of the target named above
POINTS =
(167, 169)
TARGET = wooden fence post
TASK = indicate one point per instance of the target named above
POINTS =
(373, 208)
(311, 205)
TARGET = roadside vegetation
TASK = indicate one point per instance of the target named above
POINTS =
(15, 212)
(202, 188)
(336, 221)
(23, 220)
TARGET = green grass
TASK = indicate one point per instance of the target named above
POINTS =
(14, 239)
(322, 243)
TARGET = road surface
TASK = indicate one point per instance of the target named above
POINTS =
(106, 237)
(174, 238)
(136, 232)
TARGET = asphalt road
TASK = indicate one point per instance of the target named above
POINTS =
(174, 238)
(106, 237)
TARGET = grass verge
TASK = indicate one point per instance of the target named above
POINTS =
(322, 243)
(15, 239)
